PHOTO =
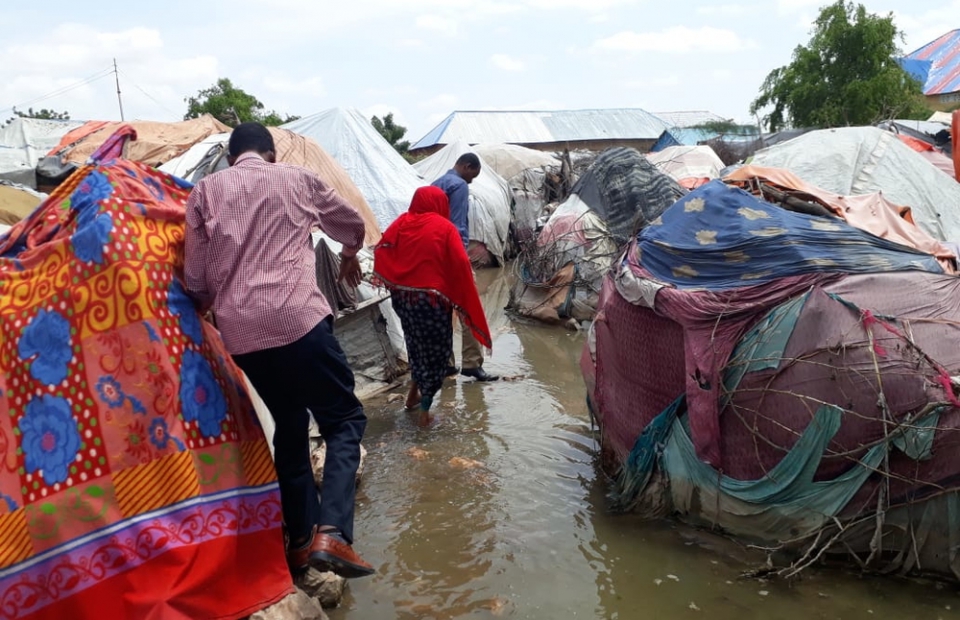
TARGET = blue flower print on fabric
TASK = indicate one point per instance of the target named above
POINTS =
(93, 232)
(182, 306)
(95, 187)
(160, 435)
(154, 186)
(111, 392)
(201, 398)
(46, 340)
(50, 438)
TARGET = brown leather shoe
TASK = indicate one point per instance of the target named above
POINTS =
(326, 553)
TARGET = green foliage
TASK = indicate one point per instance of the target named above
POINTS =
(727, 128)
(231, 106)
(42, 113)
(847, 74)
(392, 133)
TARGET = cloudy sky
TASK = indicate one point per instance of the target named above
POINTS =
(421, 59)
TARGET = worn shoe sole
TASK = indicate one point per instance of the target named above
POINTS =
(326, 562)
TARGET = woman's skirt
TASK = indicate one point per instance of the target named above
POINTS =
(427, 321)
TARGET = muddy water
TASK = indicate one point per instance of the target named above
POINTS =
(498, 512)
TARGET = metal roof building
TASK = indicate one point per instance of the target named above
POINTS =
(937, 66)
(692, 118)
(547, 130)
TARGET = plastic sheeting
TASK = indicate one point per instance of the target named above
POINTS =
(690, 166)
(524, 170)
(382, 175)
(490, 198)
(207, 156)
(156, 143)
(861, 160)
(720, 237)
(24, 141)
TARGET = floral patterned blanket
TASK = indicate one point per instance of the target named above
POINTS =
(135, 481)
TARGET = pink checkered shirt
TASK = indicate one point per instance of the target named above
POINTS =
(249, 254)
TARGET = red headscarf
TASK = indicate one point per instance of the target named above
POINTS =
(422, 250)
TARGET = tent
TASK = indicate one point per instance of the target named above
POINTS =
(785, 378)
(690, 166)
(382, 175)
(209, 155)
(525, 171)
(24, 142)
(156, 143)
(861, 160)
(560, 276)
(490, 203)
(870, 212)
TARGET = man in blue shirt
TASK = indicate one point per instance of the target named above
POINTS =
(455, 183)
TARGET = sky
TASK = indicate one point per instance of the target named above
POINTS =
(420, 59)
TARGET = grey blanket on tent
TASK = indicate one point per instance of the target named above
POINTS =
(626, 191)
(339, 296)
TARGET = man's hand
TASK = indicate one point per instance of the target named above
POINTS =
(350, 271)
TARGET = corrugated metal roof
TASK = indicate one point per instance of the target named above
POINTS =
(689, 118)
(538, 127)
(937, 64)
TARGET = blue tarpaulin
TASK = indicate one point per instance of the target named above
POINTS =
(720, 237)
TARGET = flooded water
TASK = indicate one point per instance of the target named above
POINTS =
(499, 512)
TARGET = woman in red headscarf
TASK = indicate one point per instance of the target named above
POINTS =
(421, 260)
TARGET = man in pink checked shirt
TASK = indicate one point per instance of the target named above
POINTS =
(250, 259)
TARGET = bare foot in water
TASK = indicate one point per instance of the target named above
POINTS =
(424, 420)
(413, 397)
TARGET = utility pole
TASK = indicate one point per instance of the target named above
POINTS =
(116, 75)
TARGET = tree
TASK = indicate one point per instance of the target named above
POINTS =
(231, 106)
(392, 133)
(848, 74)
(42, 113)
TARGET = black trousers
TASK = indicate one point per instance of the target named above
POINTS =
(311, 375)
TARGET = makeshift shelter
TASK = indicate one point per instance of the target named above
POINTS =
(525, 171)
(382, 175)
(870, 212)
(560, 276)
(24, 141)
(690, 166)
(209, 155)
(155, 144)
(490, 204)
(784, 377)
(134, 464)
(862, 160)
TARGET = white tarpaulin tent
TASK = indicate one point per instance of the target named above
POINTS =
(524, 170)
(189, 163)
(383, 176)
(860, 160)
(687, 163)
(489, 197)
(511, 160)
(24, 141)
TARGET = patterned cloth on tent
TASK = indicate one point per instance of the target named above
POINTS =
(135, 480)
(719, 237)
